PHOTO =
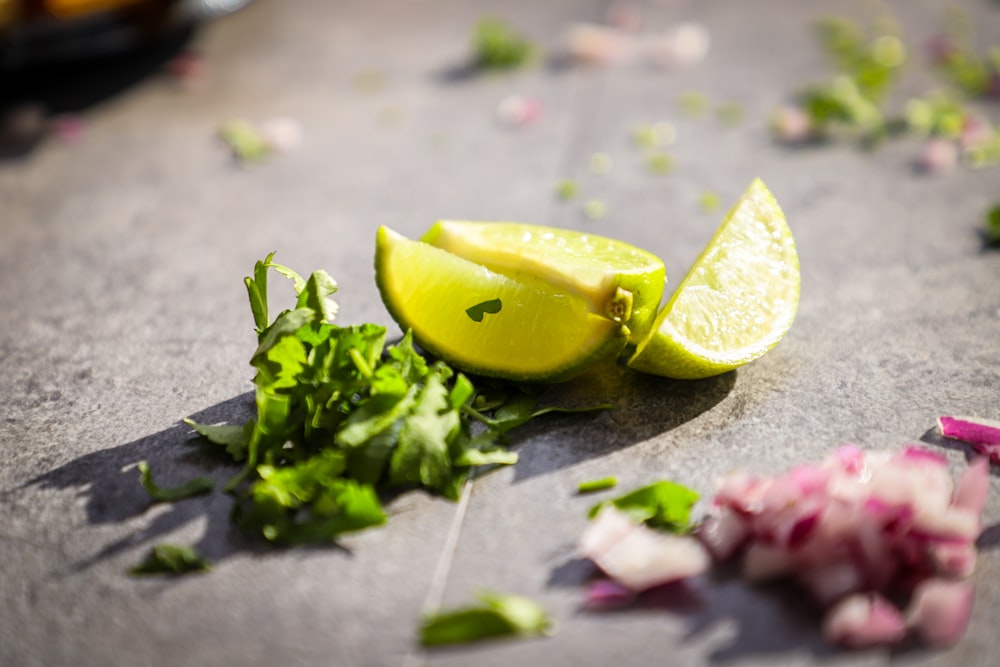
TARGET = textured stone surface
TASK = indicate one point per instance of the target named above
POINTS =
(122, 310)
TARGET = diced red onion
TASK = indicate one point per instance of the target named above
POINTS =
(982, 434)
(607, 594)
(592, 44)
(519, 111)
(939, 611)
(863, 620)
(723, 534)
(640, 558)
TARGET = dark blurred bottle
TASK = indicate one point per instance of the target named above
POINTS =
(34, 32)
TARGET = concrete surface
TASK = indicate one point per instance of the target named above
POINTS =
(122, 310)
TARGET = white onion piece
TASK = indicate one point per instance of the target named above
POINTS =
(723, 534)
(862, 620)
(940, 610)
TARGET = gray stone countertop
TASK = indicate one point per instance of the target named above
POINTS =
(122, 310)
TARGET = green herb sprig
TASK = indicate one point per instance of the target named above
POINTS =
(342, 419)
(496, 616)
(663, 505)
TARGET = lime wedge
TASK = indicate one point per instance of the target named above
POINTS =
(738, 300)
(486, 322)
(618, 280)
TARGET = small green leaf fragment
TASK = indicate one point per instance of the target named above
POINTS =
(709, 201)
(594, 485)
(566, 190)
(659, 163)
(476, 312)
(172, 559)
(693, 103)
(600, 163)
(992, 225)
(663, 505)
(595, 209)
(244, 141)
(195, 487)
(496, 616)
(231, 436)
(730, 113)
(496, 45)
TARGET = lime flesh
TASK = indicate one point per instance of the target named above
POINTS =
(737, 301)
(488, 323)
(618, 280)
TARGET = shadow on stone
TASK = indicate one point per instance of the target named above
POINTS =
(108, 480)
(770, 621)
(644, 406)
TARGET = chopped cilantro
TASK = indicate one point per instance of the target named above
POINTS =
(341, 418)
(195, 487)
(709, 201)
(730, 113)
(595, 209)
(693, 103)
(566, 189)
(600, 163)
(992, 224)
(171, 559)
(497, 46)
(663, 505)
(659, 163)
(594, 485)
(244, 141)
(476, 312)
(496, 616)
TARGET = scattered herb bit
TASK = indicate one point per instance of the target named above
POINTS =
(709, 201)
(369, 81)
(195, 487)
(600, 163)
(171, 559)
(566, 189)
(956, 57)
(476, 312)
(594, 485)
(595, 209)
(342, 417)
(992, 224)
(730, 113)
(871, 58)
(497, 616)
(390, 118)
(656, 135)
(659, 163)
(244, 141)
(938, 114)
(497, 46)
(984, 153)
(693, 104)
(663, 505)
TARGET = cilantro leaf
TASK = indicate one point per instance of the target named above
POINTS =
(231, 436)
(195, 487)
(663, 504)
(497, 616)
(497, 46)
(171, 559)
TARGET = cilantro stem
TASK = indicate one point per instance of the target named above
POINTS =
(361, 363)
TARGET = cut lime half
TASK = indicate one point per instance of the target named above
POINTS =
(488, 323)
(737, 301)
(618, 280)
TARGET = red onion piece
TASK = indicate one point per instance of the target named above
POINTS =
(640, 558)
(723, 534)
(863, 620)
(982, 434)
(939, 611)
(606, 594)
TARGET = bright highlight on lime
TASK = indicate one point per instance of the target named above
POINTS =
(532, 303)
